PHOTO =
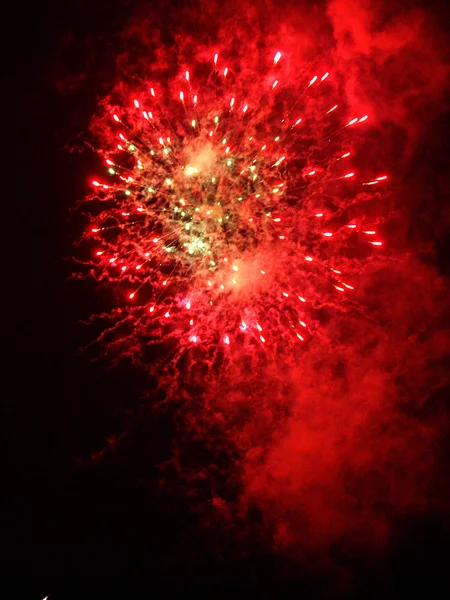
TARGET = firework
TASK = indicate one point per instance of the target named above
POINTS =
(224, 210)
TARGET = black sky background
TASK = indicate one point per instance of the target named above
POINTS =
(62, 516)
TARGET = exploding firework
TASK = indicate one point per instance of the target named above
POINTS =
(235, 227)
(229, 203)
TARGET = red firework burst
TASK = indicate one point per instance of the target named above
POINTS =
(228, 205)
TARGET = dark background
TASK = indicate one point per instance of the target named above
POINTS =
(62, 514)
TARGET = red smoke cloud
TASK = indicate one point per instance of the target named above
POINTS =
(356, 451)
(392, 59)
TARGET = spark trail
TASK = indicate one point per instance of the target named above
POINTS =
(226, 208)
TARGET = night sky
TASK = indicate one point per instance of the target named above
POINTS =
(92, 483)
